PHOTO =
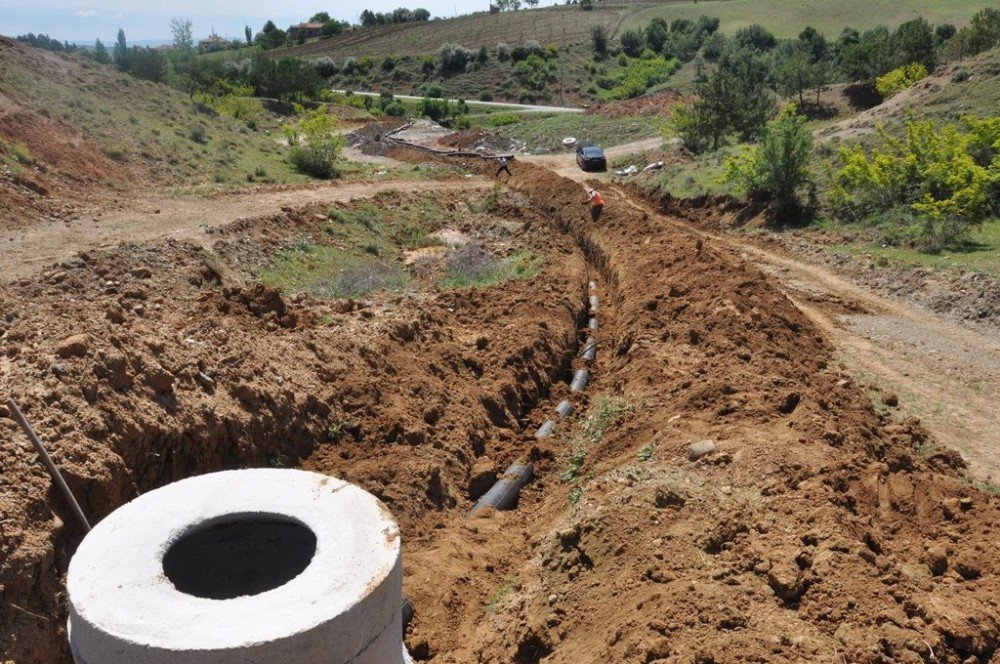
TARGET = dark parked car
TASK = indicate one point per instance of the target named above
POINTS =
(591, 158)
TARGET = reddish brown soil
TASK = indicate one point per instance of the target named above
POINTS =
(174, 372)
(818, 531)
(660, 105)
(65, 168)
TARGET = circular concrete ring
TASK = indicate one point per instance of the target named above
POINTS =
(593, 324)
(276, 566)
(579, 381)
(594, 303)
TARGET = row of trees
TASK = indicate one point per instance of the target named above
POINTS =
(399, 15)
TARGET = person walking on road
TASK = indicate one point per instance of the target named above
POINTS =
(503, 167)
(596, 203)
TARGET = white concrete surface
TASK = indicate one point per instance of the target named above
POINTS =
(344, 606)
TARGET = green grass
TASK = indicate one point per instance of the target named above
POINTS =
(699, 177)
(980, 254)
(787, 18)
(143, 124)
(547, 130)
(522, 265)
(357, 251)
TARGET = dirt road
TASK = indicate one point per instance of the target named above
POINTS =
(24, 251)
(945, 374)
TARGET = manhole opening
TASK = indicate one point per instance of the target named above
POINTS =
(239, 555)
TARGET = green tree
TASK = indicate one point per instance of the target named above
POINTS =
(248, 35)
(320, 17)
(913, 41)
(755, 36)
(101, 53)
(792, 70)
(182, 33)
(599, 42)
(777, 169)
(633, 42)
(733, 99)
(656, 34)
(121, 50)
(869, 57)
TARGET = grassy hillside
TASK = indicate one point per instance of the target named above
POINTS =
(562, 26)
(787, 18)
(60, 112)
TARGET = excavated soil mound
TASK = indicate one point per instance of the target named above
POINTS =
(817, 531)
(149, 363)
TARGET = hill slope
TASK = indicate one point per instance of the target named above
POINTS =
(73, 130)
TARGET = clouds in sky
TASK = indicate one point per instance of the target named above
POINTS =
(84, 21)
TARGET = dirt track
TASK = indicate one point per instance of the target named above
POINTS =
(818, 531)
(26, 250)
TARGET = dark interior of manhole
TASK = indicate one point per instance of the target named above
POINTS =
(241, 555)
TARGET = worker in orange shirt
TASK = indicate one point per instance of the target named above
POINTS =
(596, 203)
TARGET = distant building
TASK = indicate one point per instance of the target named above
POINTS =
(306, 30)
(213, 42)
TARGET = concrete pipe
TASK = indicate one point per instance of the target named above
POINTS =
(593, 285)
(546, 429)
(590, 350)
(579, 381)
(565, 408)
(257, 566)
(593, 324)
(503, 495)
(594, 303)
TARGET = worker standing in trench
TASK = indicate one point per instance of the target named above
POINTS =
(596, 203)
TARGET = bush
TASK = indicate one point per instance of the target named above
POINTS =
(599, 42)
(502, 52)
(318, 161)
(640, 75)
(485, 95)
(899, 79)
(755, 36)
(633, 42)
(359, 280)
(503, 119)
(325, 66)
(775, 170)
(454, 58)
(197, 133)
(947, 177)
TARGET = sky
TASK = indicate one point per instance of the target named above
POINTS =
(86, 20)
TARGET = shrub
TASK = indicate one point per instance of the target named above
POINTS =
(599, 42)
(503, 119)
(197, 133)
(502, 52)
(633, 42)
(640, 75)
(485, 95)
(325, 66)
(454, 58)
(947, 177)
(318, 156)
(755, 36)
(775, 170)
(899, 79)
(360, 280)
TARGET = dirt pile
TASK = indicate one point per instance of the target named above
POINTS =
(659, 105)
(817, 531)
(148, 363)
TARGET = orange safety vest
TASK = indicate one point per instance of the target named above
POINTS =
(597, 200)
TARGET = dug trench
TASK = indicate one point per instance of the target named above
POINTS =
(818, 530)
(149, 363)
